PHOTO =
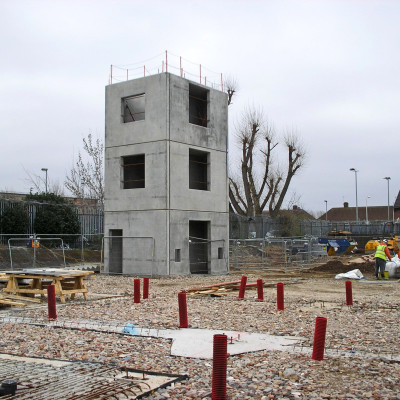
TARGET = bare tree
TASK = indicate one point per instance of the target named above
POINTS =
(37, 184)
(261, 183)
(86, 178)
(231, 87)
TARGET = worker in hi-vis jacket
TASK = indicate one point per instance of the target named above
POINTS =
(381, 252)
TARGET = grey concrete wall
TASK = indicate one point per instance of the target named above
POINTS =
(153, 127)
(144, 243)
(215, 135)
(179, 239)
(183, 198)
(154, 194)
(163, 208)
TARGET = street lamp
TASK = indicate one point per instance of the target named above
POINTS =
(355, 173)
(366, 208)
(388, 179)
(326, 210)
(45, 170)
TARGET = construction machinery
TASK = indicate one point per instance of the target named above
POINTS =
(338, 246)
(393, 244)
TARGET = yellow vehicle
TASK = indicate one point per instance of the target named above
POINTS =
(393, 245)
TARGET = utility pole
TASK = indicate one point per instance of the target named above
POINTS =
(388, 179)
(355, 173)
(45, 170)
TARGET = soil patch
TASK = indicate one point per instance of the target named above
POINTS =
(338, 267)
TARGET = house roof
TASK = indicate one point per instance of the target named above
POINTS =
(375, 213)
(297, 211)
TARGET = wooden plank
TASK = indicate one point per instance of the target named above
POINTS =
(74, 291)
(22, 298)
(195, 289)
(11, 303)
(31, 291)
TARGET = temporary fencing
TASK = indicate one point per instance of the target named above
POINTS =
(168, 62)
(276, 253)
(51, 251)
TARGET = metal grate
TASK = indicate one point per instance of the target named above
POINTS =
(41, 379)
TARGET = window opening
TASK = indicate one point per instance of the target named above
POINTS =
(177, 255)
(133, 171)
(198, 104)
(133, 108)
(199, 170)
(220, 253)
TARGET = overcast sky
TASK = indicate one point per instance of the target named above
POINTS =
(328, 69)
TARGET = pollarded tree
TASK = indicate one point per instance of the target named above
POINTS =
(261, 183)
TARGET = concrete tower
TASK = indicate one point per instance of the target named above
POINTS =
(166, 198)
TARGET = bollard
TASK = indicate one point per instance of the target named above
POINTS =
(242, 288)
(220, 347)
(280, 296)
(260, 290)
(319, 339)
(145, 288)
(136, 290)
(349, 293)
(51, 301)
(183, 318)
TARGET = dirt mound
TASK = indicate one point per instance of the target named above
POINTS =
(337, 267)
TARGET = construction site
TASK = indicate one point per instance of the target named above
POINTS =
(167, 304)
(107, 341)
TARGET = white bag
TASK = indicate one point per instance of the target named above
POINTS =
(393, 267)
(354, 274)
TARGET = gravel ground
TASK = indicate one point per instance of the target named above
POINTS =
(362, 341)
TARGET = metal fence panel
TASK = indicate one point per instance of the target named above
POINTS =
(282, 254)
(49, 251)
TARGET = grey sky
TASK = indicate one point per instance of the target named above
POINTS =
(329, 69)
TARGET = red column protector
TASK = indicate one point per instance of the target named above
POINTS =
(260, 290)
(242, 288)
(136, 290)
(145, 288)
(349, 293)
(183, 318)
(51, 301)
(319, 339)
(220, 347)
(279, 296)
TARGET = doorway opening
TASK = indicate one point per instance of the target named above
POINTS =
(115, 250)
(199, 247)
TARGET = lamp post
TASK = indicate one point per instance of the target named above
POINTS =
(366, 208)
(355, 173)
(326, 210)
(45, 170)
(388, 179)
